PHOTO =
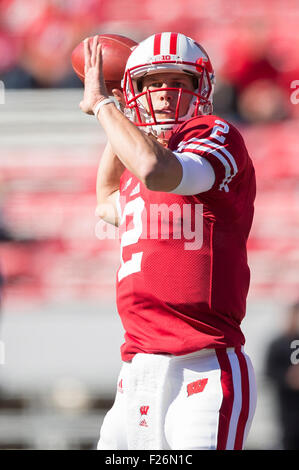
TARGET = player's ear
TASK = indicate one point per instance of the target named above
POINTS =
(119, 96)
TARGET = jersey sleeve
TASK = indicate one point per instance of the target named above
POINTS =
(219, 142)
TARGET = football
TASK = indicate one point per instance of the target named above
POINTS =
(115, 52)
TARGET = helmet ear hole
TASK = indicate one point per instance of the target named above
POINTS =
(195, 82)
(139, 85)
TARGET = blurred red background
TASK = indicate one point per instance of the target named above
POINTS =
(48, 243)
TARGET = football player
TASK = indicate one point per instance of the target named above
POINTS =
(179, 183)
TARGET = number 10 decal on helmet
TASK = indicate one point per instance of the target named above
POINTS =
(160, 54)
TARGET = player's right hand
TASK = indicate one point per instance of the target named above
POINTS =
(94, 84)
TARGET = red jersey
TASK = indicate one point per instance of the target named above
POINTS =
(183, 279)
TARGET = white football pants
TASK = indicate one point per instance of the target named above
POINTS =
(204, 400)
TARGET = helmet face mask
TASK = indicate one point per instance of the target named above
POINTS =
(139, 101)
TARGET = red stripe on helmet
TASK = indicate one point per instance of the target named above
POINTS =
(157, 44)
(173, 43)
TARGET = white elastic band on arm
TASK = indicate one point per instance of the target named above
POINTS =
(198, 174)
(98, 106)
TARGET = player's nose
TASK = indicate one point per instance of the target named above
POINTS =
(165, 93)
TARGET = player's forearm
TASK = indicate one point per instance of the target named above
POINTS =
(109, 172)
(107, 210)
(108, 176)
(148, 160)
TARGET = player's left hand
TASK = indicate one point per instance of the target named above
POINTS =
(94, 85)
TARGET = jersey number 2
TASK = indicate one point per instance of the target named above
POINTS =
(220, 127)
(132, 265)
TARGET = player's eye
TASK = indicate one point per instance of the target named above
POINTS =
(156, 85)
(180, 84)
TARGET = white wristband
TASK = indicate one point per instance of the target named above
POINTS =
(98, 106)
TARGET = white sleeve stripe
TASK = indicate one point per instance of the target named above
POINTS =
(223, 150)
(222, 154)
(218, 147)
(206, 149)
(228, 175)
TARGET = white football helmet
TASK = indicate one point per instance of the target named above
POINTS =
(167, 52)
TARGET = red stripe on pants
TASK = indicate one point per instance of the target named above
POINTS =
(243, 417)
(227, 400)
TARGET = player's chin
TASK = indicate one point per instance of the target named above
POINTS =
(165, 116)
